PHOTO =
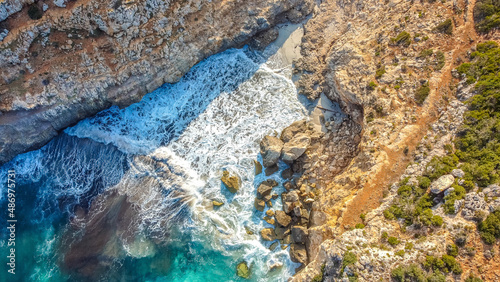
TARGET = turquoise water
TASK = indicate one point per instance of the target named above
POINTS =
(136, 184)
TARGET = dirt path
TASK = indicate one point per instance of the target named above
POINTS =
(369, 196)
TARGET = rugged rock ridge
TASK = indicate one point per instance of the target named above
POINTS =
(76, 61)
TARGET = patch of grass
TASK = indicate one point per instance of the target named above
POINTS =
(403, 39)
(425, 53)
(359, 226)
(393, 241)
(440, 61)
(379, 72)
(372, 85)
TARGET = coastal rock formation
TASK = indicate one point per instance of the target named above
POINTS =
(270, 149)
(69, 63)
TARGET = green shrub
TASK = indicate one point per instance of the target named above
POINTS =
(384, 236)
(440, 60)
(34, 12)
(379, 72)
(393, 241)
(403, 39)
(424, 182)
(425, 53)
(372, 85)
(422, 93)
(349, 259)
(409, 273)
(452, 250)
(472, 278)
(477, 144)
(437, 221)
(445, 27)
(400, 253)
(487, 15)
(457, 194)
(445, 264)
(359, 226)
(489, 229)
(440, 166)
(319, 277)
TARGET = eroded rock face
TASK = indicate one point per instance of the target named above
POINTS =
(76, 61)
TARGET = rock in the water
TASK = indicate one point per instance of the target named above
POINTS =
(298, 253)
(259, 204)
(299, 234)
(232, 183)
(268, 234)
(217, 203)
(271, 170)
(293, 149)
(258, 167)
(281, 232)
(458, 173)
(263, 190)
(269, 212)
(282, 218)
(287, 173)
(269, 220)
(275, 265)
(242, 270)
(270, 149)
(442, 183)
(273, 246)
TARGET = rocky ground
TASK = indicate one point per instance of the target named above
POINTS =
(62, 61)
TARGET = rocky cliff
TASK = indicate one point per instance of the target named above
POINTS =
(63, 61)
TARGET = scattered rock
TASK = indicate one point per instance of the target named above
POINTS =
(287, 173)
(288, 133)
(269, 220)
(271, 170)
(273, 246)
(217, 203)
(270, 212)
(281, 232)
(282, 218)
(268, 234)
(232, 183)
(258, 167)
(442, 183)
(259, 204)
(270, 149)
(248, 230)
(263, 190)
(275, 265)
(242, 270)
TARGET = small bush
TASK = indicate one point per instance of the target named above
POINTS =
(372, 85)
(489, 229)
(487, 15)
(472, 278)
(452, 250)
(359, 226)
(393, 241)
(349, 259)
(34, 12)
(426, 53)
(403, 39)
(422, 93)
(379, 72)
(440, 60)
(445, 27)
(409, 273)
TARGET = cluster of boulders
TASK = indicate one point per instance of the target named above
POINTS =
(290, 223)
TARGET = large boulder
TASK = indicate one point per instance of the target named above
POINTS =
(288, 133)
(270, 149)
(298, 253)
(268, 234)
(232, 183)
(442, 183)
(264, 189)
(282, 218)
(293, 149)
(299, 234)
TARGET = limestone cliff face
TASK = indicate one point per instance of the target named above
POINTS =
(82, 56)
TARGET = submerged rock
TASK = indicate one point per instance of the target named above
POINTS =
(270, 149)
(232, 183)
(271, 170)
(263, 190)
(242, 270)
